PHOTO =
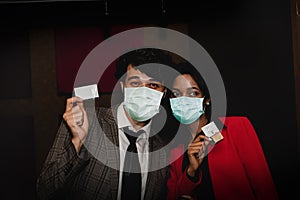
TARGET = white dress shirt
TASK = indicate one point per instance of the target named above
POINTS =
(142, 144)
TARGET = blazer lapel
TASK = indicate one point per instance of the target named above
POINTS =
(157, 169)
(112, 149)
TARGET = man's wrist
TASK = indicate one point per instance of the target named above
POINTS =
(77, 144)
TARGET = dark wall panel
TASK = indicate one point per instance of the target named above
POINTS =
(17, 158)
(15, 79)
(253, 51)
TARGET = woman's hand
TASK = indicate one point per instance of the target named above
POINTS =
(196, 153)
(76, 118)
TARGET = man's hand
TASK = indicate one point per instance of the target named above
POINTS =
(76, 118)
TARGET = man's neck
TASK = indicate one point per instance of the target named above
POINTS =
(135, 124)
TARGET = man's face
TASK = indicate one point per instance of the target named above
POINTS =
(136, 78)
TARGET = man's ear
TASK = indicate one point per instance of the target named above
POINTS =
(165, 93)
(122, 86)
(165, 90)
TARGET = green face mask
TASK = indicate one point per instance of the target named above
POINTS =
(142, 103)
(187, 109)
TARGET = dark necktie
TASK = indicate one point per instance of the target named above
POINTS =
(132, 180)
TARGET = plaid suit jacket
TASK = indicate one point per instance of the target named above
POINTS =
(93, 173)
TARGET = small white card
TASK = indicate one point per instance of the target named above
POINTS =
(212, 131)
(87, 92)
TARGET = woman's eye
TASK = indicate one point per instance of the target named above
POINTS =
(176, 94)
(193, 94)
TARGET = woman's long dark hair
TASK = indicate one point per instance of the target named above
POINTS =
(187, 68)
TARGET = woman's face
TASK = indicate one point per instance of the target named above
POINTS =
(185, 85)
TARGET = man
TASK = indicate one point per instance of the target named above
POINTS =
(88, 159)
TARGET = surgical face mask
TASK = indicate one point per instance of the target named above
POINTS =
(142, 103)
(187, 109)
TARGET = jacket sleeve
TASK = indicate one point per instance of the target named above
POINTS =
(178, 183)
(252, 156)
(61, 165)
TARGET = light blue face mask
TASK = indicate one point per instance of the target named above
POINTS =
(142, 103)
(187, 109)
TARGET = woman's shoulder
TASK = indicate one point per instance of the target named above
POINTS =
(234, 120)
(238, 126)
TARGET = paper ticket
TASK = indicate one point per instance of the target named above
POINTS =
(87, 92)
(212, 131)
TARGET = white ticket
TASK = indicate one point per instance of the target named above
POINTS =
(212, 131)
(87, 92)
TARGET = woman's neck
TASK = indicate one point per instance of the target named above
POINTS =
(196, 126)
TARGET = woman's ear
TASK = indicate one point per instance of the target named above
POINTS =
(207, 102)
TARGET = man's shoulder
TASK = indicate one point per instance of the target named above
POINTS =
(156, 141)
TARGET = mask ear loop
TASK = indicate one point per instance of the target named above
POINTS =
(165, 92)
(163, 97)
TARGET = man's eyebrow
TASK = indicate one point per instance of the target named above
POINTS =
(155, 80)
(133, 77)
(137, 77)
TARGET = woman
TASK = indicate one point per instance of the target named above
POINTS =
(234, 168)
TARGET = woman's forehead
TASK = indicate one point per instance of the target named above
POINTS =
(184, 81)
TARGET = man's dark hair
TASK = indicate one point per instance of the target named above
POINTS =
(146, 56)
(143, 56)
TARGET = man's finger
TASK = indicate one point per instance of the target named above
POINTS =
(73, 101)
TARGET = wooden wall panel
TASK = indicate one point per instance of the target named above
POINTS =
(14, 64)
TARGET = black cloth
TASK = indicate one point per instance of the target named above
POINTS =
(205, 189)
(132, 180)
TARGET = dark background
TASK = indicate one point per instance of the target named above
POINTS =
(250, 41)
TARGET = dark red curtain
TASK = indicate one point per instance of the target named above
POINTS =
(73, 45)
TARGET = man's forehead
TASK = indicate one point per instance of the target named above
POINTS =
(137, 74)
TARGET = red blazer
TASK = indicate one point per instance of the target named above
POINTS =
(237, 166)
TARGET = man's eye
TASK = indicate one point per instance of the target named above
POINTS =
(134, 83)
(153, 85)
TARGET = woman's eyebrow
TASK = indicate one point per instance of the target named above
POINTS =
(194, 88)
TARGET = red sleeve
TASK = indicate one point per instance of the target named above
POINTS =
(178, 182)
(252, 156)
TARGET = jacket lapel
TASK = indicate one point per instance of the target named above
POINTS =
(158, 162)
(110, 129)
